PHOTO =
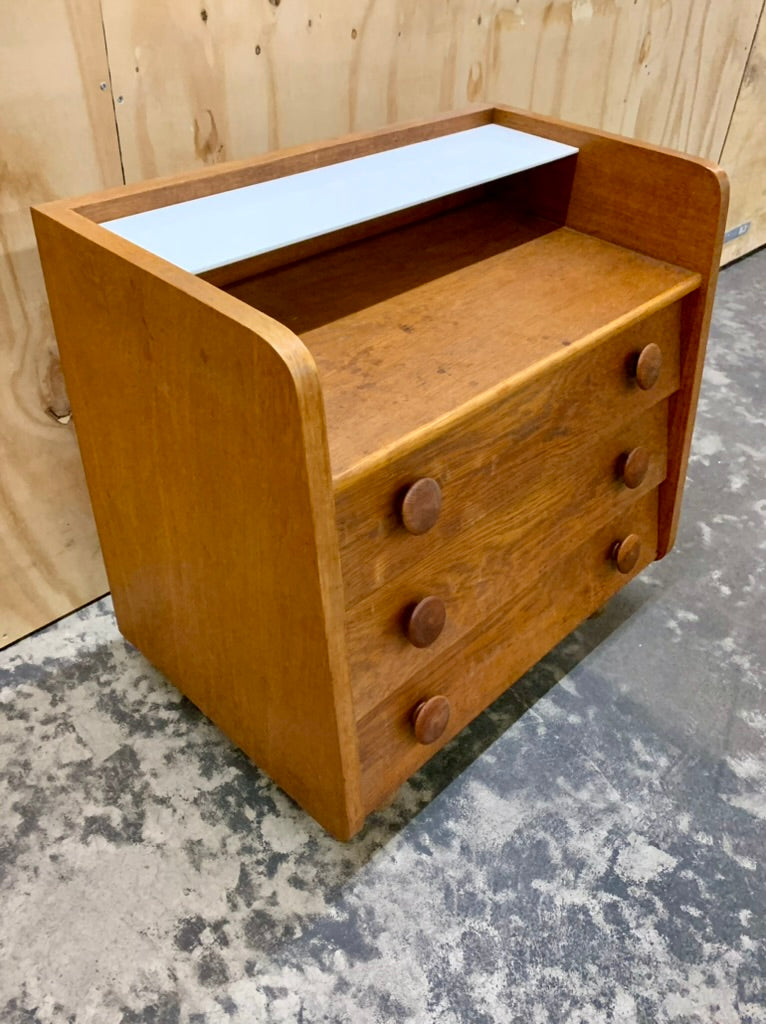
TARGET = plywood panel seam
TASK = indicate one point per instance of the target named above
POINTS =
(742, 81)
(110, 83)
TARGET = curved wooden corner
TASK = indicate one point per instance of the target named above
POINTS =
(667, 205)
(201, 426)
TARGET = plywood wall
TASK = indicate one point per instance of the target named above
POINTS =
(744, 154)
(664, 72)
(209, 81)
(56, 137)
(135, 88)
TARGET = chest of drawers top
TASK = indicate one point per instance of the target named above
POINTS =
(369, 425)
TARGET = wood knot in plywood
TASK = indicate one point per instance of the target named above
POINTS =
(646, 45)
(475, 86)
(54, 395)
(207, 144)
(582, 10)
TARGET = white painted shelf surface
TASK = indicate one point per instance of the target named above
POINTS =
(216, 230)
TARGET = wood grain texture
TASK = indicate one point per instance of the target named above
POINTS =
(206, 83)
(556, 502)
(230, 577)
(424, 622)
(665, 73)
(201, 428)
(665, 205)
(633, 466)
(502, 647)
(57, 137)
(648, 366)
(744, 153)
(486, 459)
(420, 506)
(401, 343)
(195, 85)
(626, 553)
(148, 195)
(430, 718)
(200, 88)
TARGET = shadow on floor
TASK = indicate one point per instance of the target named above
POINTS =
(450, 762)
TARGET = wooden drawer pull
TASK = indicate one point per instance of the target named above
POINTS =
(634, 467)
(430, 718)
(421, 505)
(426, 621)
(625, 553)
(648, 366)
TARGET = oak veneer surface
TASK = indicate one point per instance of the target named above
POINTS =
(665, 205)
(556, 502)
(408, 326)
(484, 460)
(215, 407)
(670, 74)
(202, 441)
(509, 640)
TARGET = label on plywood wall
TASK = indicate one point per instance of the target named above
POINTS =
(738, 232)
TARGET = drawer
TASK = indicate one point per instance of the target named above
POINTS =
(472, 674)
(478, 457)
(555, 504)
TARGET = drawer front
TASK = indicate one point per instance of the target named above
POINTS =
(498, 652)
(479, 459)
(554, 506)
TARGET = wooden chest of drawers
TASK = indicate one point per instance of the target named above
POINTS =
(369, 426)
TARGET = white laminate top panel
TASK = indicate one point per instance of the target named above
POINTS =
(213, 231)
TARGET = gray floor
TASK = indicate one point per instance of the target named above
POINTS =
(590, 850)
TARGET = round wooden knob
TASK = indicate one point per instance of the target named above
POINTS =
(625, 553)
(430, 718)
(648, 366)
(421, 505)
(426, 621)
(635, 466)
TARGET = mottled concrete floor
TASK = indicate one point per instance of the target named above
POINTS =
(590, 850)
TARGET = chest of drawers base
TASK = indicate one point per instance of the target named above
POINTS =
(350, 486)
